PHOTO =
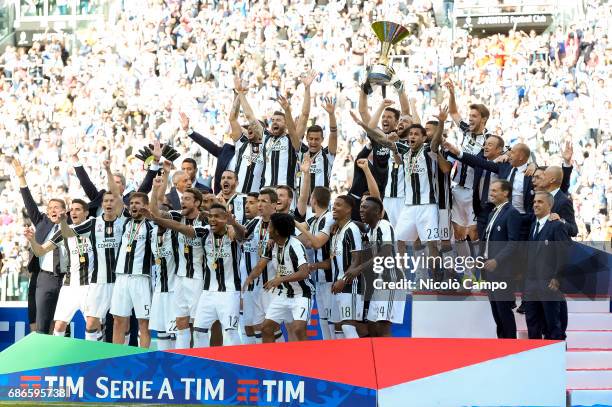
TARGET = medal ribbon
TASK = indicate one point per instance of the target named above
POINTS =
(133, 232)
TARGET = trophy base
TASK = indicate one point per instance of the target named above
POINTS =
(380, 74)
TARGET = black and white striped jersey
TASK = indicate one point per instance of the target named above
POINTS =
(135, 254)
(248, 164)
(237, 206)
(420, 169)
(395, 177)
(462, 173)
(344, 242)
(320, 169)
(79, 259)
(188, 250)
(222, 256)
(317, 225)
(165, 263)
(289, 258)
(105, 238)
(280, 165)
(256, 244)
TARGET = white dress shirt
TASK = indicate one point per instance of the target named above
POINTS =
(517, 187)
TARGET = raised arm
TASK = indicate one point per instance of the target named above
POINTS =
(470, 159)
(31, 208)
(364, 110)
(437, 137)
(372, 185)
(302, 203)
(376, 135)
(186, 230)
(233, 119)
(200, 140)
(305, 113)
(114, 189)
(88, 186)
(452, 103)
(292, 130)
(147, 182)
(248, 111)
(238, 231)
(373, 123)
(330, 107)
(414, 112)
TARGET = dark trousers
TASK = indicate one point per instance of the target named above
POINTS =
(504, 318)
(32, 298)
(544, 319)
(47, 291)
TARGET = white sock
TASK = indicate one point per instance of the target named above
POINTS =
(183, 338)
(258, 337)
(100, 336)
(248, 340)
(91, 336)
(339, 334)
(127, 339)
(231, 337)
(324, 328)
(59, 333)
(349, 331)
(163, 341)
(278, 336)
(201, 339)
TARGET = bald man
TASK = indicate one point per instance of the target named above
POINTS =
(512, 171)
(563, 208)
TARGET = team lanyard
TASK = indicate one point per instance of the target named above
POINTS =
(132, 235)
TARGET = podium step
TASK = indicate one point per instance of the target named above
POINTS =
(589, 358)
(589, 379)
(583, 339)
(590, 397)
(584, 305)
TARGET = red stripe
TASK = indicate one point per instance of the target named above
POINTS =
(253, 398)
(311, 333)
(603, 369)
(29, 378)
(315, 311)
(36, 386)
(24, 385)
(241, 398)
(248, 382)
(254, 390)
(314, 322)
(241, 390)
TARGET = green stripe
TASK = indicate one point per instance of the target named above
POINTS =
(37, 351)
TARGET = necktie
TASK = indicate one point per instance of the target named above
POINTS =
(537, 231)
(56, 254)
(511, 181)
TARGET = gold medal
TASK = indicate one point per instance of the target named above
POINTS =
(186, 251)
(128, 248)
(109, 230)
(395, 165)
(215, 265)
(82, 259)
(158, 261)
(299, 174)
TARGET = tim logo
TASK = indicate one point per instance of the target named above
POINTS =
(34, 382)
(269, 391)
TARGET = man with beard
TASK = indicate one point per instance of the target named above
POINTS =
(46, 273)
(224, 154)
(220, 298)
(394, 189)
(283, 140)
(104, 233)
(444, 188)
(251, 210)
(235, 202)
(256, 243)
(134, 264)
(474, 136)
(189, 279)
(322, 158)
(79, 267)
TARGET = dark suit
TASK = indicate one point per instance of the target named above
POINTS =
(503, 234)
(173, 199)
(224, 156)
(545, 259)
(45, 285)
(564, 207)
(201, 187)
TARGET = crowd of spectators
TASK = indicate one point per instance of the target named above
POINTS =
(124, 85)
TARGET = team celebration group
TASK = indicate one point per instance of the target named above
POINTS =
(234, 264)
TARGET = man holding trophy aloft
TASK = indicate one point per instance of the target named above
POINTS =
(387, 169)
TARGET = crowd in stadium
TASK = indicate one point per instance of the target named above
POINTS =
(152, 67)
